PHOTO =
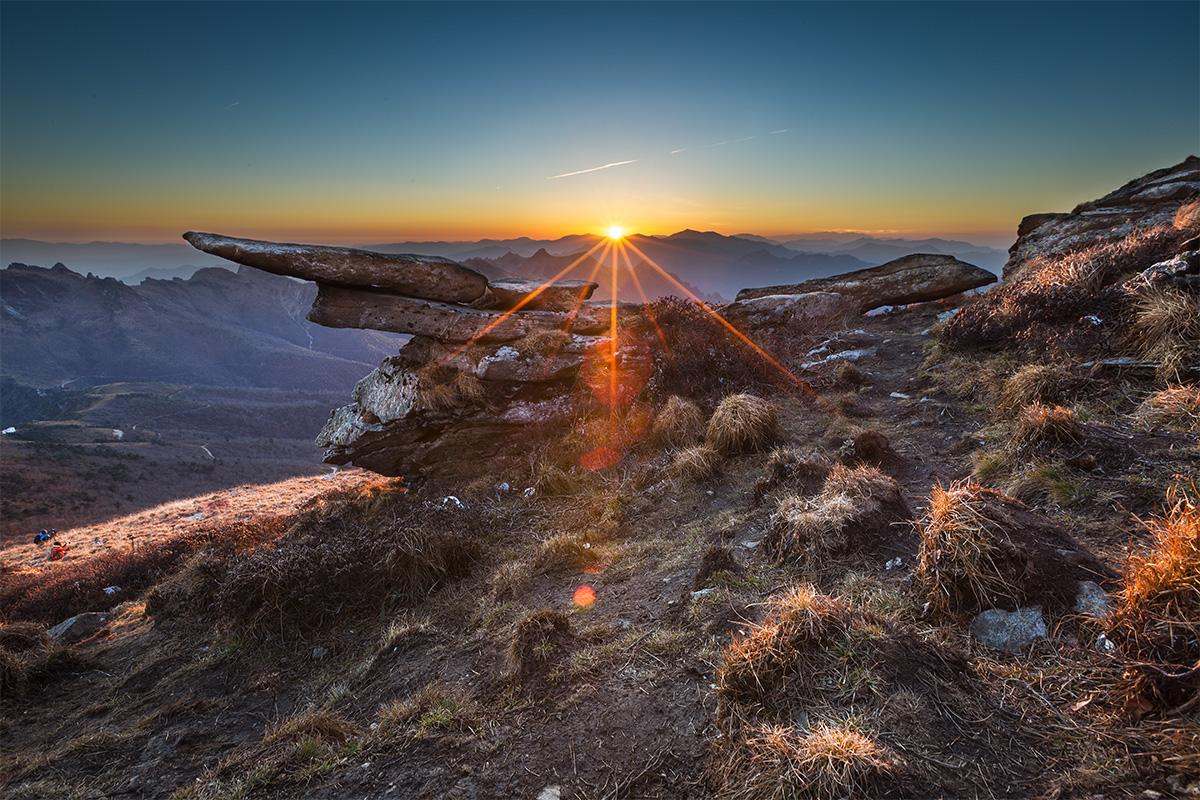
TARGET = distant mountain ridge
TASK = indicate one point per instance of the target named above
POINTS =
(711, 263)
(221, 328)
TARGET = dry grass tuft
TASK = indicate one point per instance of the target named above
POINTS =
(695, 463)
(716, 560)
(981, 549)
(1040, 427)
(1035, 383)
(680, 423)
(1166, 329)
(1157, 618)
(848, 375)
(564, 551)
(1174, 407)
(742, 422)
(826, 761)
(854, 511)
(554, 481)
(538, 636)
(319, 723)
(1187, 217)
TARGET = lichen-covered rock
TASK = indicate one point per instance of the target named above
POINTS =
(1010, 631)
(912, 279)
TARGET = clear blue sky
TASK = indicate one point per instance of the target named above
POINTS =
(363, 122)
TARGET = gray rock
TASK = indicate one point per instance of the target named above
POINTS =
(550, 793)
(319, 652)
(430, 277)
(79, 626)
(911, 279)
(1092, 600)
(1010, 631)
(815, 311)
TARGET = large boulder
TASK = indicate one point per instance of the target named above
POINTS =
(911, 279)
(429, 277)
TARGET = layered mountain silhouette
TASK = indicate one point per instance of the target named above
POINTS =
(710, 263)
(219, 327)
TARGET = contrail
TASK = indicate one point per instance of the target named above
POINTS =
(776, 133)
(592, 169)
(231, 105)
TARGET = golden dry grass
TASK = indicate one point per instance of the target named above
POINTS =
(1045, 427)
(695, 463)
(1187, 216)
(826, 761)
(812, 528)
(435, 706)
(1166, 329)
(679, 423)
(321, 723)
(742, 422)
(1033, 383)
(1157, 617)
(1174, 407)
(959, 561)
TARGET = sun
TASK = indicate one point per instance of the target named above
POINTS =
(616, 232)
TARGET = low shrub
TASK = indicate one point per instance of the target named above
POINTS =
(695, 463)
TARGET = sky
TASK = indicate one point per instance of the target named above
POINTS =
(387, 122)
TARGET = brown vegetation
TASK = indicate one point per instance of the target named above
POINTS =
(28, 656)
(1166, 329)
(1040, 427)
(742, 422)
(855, 510)
(1157, 618)
(695, 463)
(1173, 407)
(980, 549)
(538, 636)
(679, 423)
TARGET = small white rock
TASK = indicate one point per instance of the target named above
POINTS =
(550, 793)
(895, 563)
(900, 396)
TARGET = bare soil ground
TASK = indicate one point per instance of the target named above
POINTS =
(590, 644)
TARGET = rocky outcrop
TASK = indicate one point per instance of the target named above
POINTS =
(911, 279)
(487, 359)
(1144, 203)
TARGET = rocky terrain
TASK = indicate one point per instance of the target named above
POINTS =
(812, 544)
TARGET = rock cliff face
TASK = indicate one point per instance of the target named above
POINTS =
(1144, 203)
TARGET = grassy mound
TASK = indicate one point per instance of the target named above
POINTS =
(346, 554)
(981, 549)
(742, 422)
(1043, 428)
(855, 510)
(29, 656)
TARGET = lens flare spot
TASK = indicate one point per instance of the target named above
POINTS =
(599, 458)
(584, 596)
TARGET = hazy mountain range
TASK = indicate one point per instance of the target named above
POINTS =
(712, 264)
(219, 328)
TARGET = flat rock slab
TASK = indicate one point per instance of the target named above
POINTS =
(562, 296)
(428, 277)
(1010, 631)
(912, 279)
(79, 626)
(342, 307)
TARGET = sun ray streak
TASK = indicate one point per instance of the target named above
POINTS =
(770, 359)
(637, 282)
(526, 300)
(579, 300)
(612, 332)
